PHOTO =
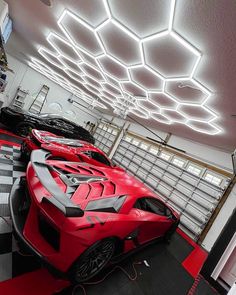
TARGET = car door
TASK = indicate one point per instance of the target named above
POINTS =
(156, 219)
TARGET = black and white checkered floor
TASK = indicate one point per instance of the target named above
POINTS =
(10, 258)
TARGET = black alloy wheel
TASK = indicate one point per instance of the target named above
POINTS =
(93, 260)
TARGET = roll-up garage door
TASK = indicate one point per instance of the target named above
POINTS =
(191, 189)
(105, 135)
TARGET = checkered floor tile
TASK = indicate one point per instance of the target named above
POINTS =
(10, 168)
(12, 261)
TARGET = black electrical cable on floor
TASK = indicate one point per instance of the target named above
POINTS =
(82, 286)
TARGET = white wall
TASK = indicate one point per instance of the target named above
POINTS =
(203, 152)
(31, 80)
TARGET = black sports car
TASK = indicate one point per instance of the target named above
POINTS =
(21, 122)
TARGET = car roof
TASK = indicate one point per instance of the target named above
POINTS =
(41, 115)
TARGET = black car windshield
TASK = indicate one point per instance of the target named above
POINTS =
(66, 141)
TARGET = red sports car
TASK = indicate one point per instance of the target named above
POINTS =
(62, 148)
(77, 217)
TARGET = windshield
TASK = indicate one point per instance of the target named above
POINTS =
(49, 115)
(66, 141)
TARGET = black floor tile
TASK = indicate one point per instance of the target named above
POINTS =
(23, 263)
(20, 168)
(203, 288)
(179, 247)
(5, 161)
(5, 243)
(4, 210)
(165, 276)
(5, 188)
(5, 172)
(10, 138)
(5, 152)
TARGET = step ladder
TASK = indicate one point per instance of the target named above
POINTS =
(19, 98)
(39, 100)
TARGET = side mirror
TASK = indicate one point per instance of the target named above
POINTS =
(170, 216)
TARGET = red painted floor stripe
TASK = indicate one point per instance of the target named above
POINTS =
(38, 282)
(10, 133)
(9, 143)
(194, 262)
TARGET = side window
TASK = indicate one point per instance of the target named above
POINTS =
(100, 158)
(152, 205)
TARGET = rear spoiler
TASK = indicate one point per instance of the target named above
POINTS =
(58, 198)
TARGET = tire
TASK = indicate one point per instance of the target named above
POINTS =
(23, 129)
(170, 232)
(92, 261)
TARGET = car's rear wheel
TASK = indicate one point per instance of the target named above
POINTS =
(24, 129)
(93, 260)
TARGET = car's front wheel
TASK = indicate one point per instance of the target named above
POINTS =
(93, 260)
(24, 129)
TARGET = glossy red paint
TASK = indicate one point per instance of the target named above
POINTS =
(78, 233)
(82, 153)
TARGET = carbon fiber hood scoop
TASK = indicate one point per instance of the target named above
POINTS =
(75, 179)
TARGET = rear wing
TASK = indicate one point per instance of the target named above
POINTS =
(58, 198)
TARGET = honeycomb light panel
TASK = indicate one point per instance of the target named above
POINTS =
(61, 46)
(102, 63)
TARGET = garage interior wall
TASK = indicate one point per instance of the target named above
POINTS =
(32, 81)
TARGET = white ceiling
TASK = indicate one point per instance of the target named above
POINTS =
(169, 64)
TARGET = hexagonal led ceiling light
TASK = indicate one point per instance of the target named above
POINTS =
(124, 60)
